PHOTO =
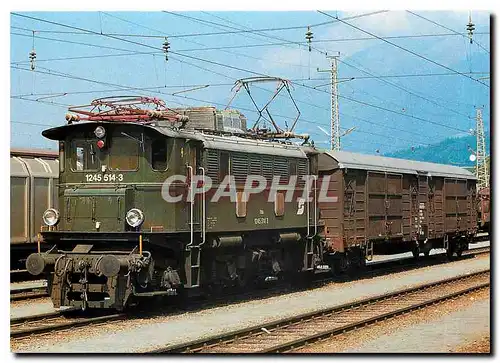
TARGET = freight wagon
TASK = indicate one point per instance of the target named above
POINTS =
(483, 210)
(33, 179)
(387, 206)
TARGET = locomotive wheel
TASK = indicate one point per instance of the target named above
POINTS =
(416, 252)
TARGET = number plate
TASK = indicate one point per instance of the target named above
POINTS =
(261, 220)
(104, 178)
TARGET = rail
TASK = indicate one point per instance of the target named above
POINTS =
(291, 333)
(47, 323)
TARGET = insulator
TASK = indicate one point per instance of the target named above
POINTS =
(32, 59)
(309, 36)
(470, 29)
(166, 47)
(70, 117)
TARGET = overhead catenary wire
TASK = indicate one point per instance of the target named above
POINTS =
(406, 90)
(400, 87)
(303, 85)
(404, 49)
(345, 97)
(163, 34)
(126, 88)
(237, 31)
(228, 66)
(391, 110)
(335, 40)
(447, 28)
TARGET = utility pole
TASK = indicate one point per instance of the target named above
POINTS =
(335, 121)
(483, 180)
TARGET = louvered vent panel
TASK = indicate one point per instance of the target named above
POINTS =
(212, 165)
(280, 167)
(255, 165)
(267, 167)
(239, 167)
(301, 171)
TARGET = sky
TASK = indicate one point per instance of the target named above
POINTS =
(99, 54)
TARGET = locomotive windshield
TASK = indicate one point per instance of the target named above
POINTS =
(124, 151)
(119, 151)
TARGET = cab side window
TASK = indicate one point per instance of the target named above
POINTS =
(159, 154)
(84, 156)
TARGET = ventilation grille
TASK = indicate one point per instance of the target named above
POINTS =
(267, 167)
(239, 166)
(212, 164)
(255, 165)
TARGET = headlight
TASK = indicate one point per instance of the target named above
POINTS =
(51, 217)
(99, 132)
(134, 217)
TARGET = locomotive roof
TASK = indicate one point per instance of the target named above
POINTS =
(349, 160)
(209, 141)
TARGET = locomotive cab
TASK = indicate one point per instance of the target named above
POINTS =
(107, 175)
(111, 175)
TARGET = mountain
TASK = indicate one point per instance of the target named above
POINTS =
(452, 151)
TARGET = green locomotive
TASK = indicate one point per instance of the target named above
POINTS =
(128, 226)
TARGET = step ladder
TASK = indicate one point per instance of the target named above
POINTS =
(369, 251)
(309, 254)
(192, 252)
(192, 263)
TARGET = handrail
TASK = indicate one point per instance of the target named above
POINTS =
(192, 207)
(203, 210)
(315, 178)
(307, 200)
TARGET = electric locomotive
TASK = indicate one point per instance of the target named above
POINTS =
(129, 225)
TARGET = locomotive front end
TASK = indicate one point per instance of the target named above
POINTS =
(102, 237)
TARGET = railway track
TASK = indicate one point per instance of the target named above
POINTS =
(477, 251)
(288, 334)
(55, 321)
(21, 275)
(26, 293)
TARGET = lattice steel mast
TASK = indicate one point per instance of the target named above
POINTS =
(483, 180)
(335, 120)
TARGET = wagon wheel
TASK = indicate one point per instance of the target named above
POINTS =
(416, 252)
(450, 251)
(357, 262)
(340, 265)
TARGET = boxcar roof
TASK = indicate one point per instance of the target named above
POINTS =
(384, 164)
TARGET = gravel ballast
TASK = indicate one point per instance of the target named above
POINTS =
(146, 334)
(423, 331)
(439, 336)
